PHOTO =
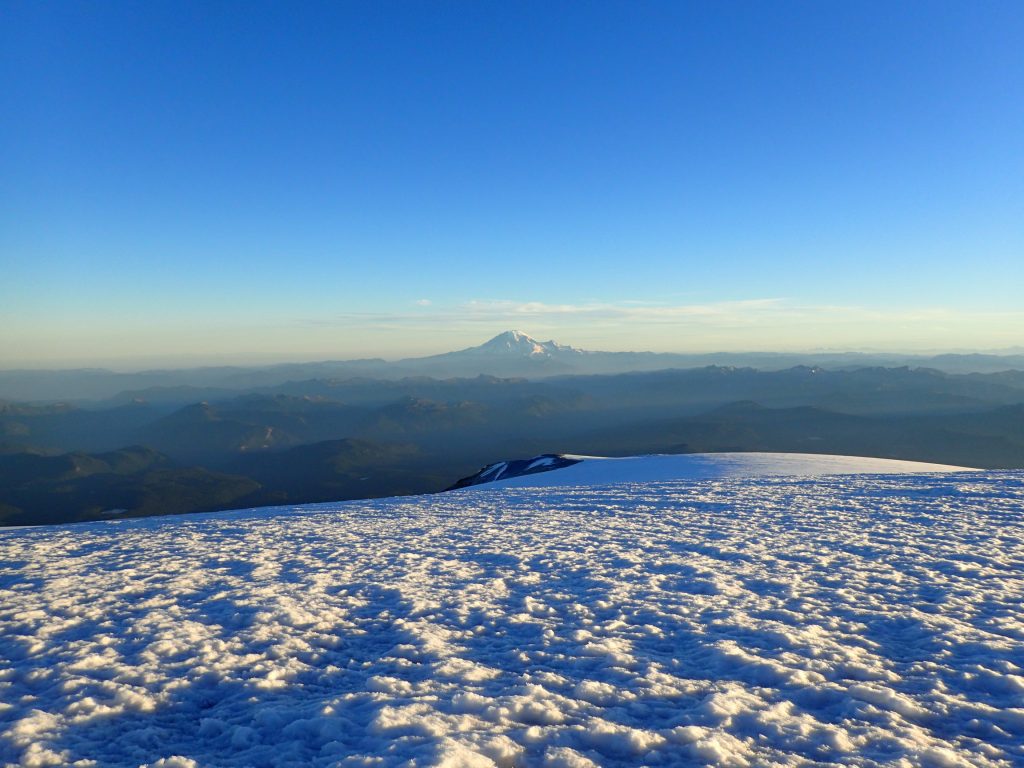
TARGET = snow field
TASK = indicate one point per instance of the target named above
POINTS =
(864, 620)
(603, 470)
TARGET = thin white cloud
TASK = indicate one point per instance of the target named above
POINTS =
(766, 323)
(628, 309)
(492, 310)
(759, 323)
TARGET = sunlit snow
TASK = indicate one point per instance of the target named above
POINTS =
(600, 470)
(862, 619)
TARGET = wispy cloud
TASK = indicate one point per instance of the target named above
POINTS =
(495, 310)
(745, 312)
(627, 310)
(759, 323)
(766, 323)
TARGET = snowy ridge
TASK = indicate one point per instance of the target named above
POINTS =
(600, 470)
(869, 620)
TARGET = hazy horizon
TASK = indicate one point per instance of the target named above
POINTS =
(138, 363)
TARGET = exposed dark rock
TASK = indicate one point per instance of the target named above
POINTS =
(503, 470)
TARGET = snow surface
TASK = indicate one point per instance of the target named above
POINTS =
(860, 619)
(600, 470)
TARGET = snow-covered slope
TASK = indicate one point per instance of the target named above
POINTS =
(599, 470)
(511, 353)
(519, 344)
(861, 619)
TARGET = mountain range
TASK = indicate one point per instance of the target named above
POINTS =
(509, 354)
(292, 434)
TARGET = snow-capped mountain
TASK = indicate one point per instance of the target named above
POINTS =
(519, 344)
(735, 616)
(511, 353)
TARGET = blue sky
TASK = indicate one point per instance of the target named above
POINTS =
(193, 182)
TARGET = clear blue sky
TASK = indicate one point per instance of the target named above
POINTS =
(204, 181)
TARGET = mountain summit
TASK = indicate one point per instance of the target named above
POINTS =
(519, 344)
(512, 353)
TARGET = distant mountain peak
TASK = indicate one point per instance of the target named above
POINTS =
(518, 344)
